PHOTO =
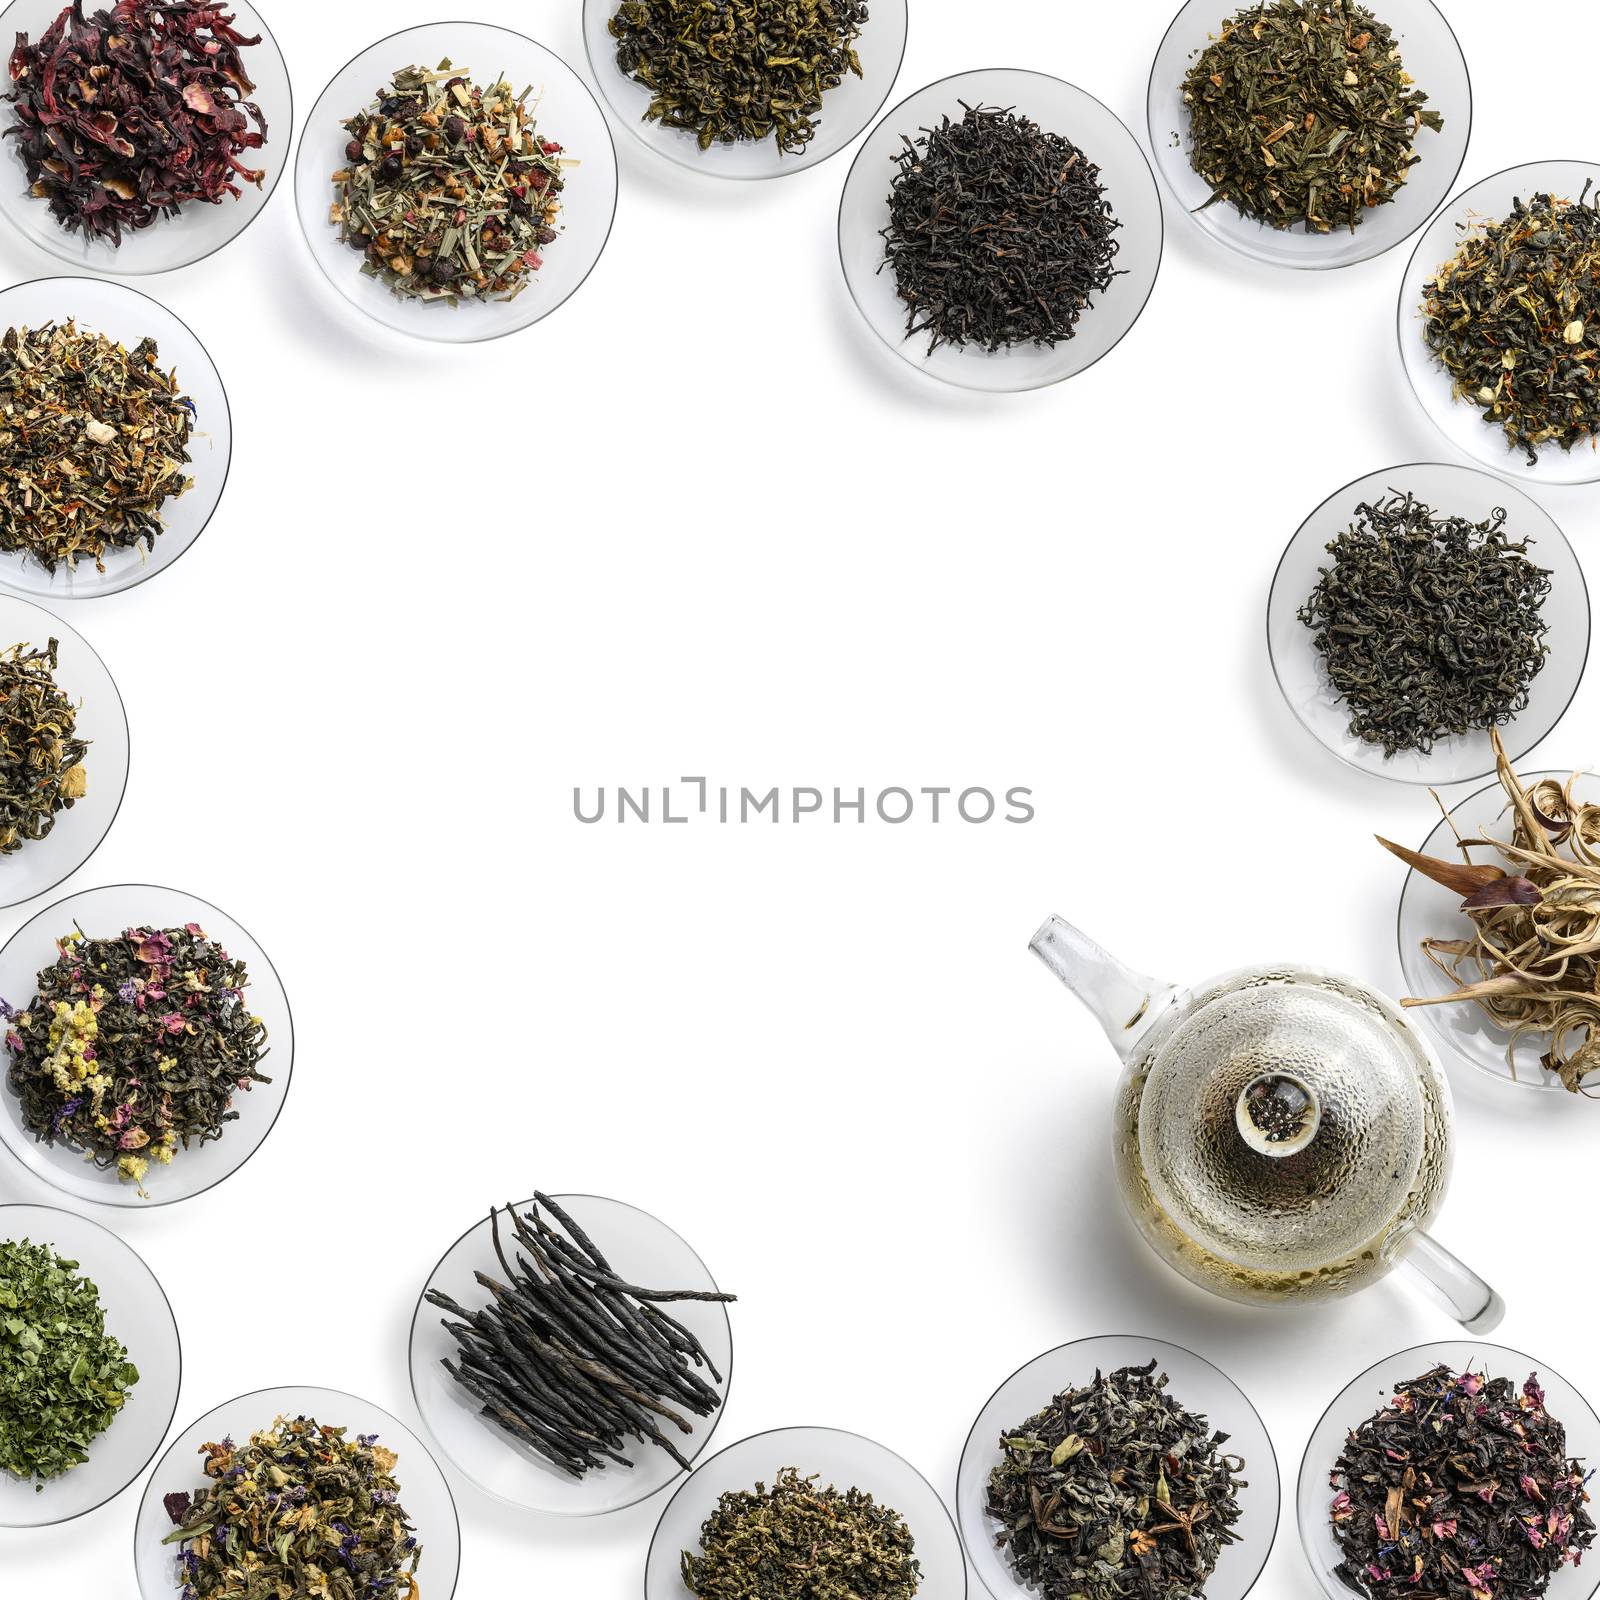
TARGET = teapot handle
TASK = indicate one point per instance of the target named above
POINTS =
(1447, 1279)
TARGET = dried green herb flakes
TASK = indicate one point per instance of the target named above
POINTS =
(63, 1378)
(41, 756)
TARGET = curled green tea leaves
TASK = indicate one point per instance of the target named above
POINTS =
(1514, 318)
(63, 1377)
(41, 757)
(1113, 1491)
(795, 1541)
(1302, 115)
(745, 70)
(1428, 626)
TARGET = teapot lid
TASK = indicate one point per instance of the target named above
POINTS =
(1285, 1119)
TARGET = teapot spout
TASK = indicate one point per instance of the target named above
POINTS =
(1125, 1003)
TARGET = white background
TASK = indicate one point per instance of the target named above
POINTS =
(699, 522)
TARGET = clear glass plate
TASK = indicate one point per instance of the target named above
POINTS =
(424, 1493)
(1428, 910)
(1462, 423)
(1195, 1384)
(1432, 56)
(102, 913)
(644, 1251)
(846, 109)
(137, 1314)
(127, 316)
(566, 112)
(1451, 491)
(1058, 108)
(78, 831)
(1362, 1397)
(844, 1460)
(199, 229)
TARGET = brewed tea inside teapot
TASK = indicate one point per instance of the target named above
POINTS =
(1283, 1134)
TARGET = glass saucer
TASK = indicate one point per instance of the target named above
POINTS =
(566, 112)
(1196, 1384)
(424, 1493)
(127, 316)
(846, 109)
(199, 229)
(644, 1251)
(102, 913)
(1432, 56)
(102, 721)
(1428, 910)
(1451, 491)
(138, 1315)
(1461, 422)
(844, 1460)
(1058, 108)
(1365, 1395)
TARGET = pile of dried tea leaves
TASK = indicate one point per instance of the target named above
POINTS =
(1532, 964)
(63, 1378)
(135, 1046)
(1428, 625)
(1115, 1490)
(300, 1510)
(999, 233)
(93, 442)
(1302, 115)
(569, 1359)
(1459, 1488)
(447, 189)
(1514, 318)
(41, 757)
(746, 71)
(126, 115)
(795, 1541)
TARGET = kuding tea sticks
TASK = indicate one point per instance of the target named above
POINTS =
(126, 115)
(570, 1360)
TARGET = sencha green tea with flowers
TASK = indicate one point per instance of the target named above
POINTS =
(134, 1047)
(41, 756)
(300, 1512)
(1115, 1490)
(742, 71)
(1302, 114)
(448, 190)
(63, 1377)
(795, 1541)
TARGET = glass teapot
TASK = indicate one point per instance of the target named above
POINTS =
(1283, 1134)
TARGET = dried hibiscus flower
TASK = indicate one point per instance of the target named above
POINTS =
(125, 115)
